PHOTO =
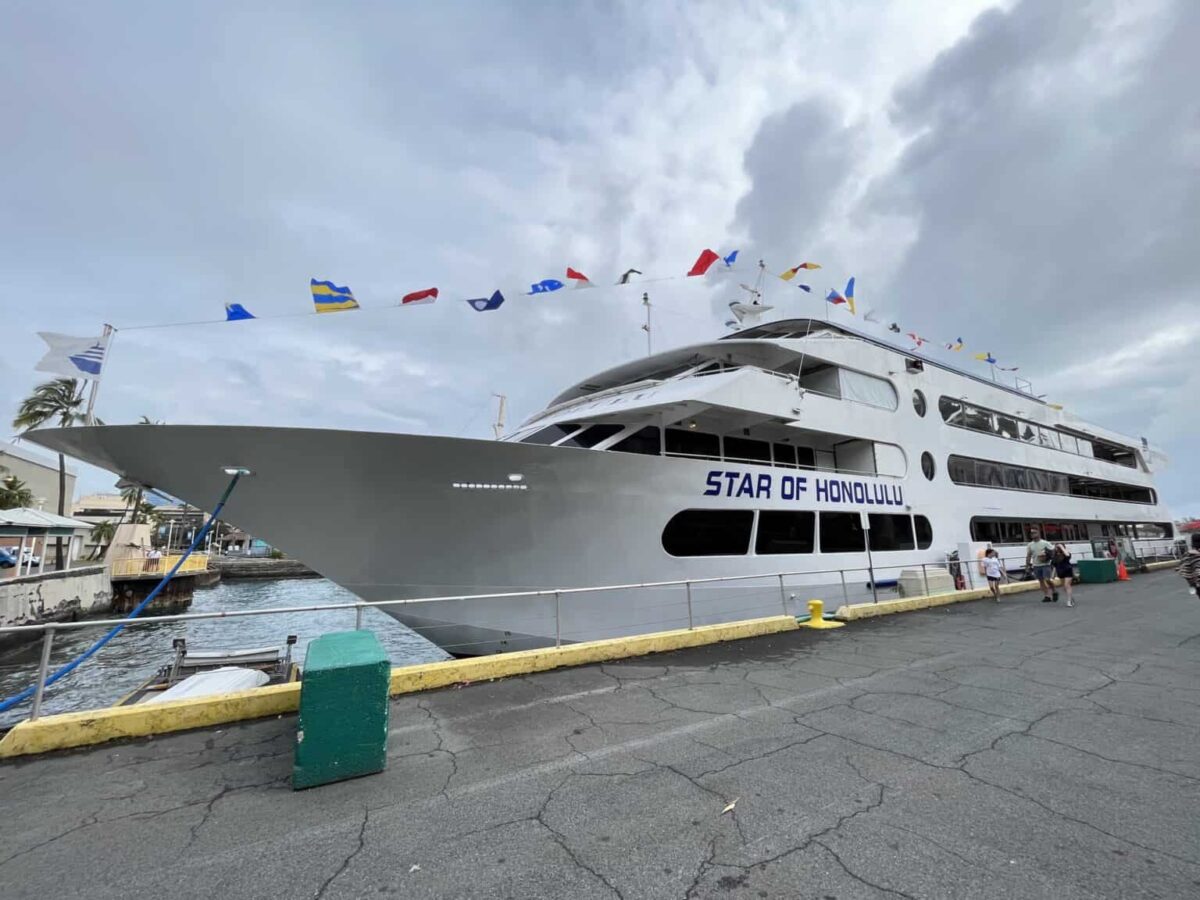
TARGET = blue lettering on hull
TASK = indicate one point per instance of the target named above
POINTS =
(720, 483)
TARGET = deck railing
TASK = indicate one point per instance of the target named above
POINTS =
(144, 567)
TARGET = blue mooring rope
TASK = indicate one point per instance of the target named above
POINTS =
(91, 651)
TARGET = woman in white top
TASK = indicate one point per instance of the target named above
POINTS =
(993, 568)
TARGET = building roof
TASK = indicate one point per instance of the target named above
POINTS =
(23, 517)
(19, 452)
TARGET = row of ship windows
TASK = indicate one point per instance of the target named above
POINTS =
(987, 473)
(728, 532)
(976, 418)
(1017, 531)
(654, 441)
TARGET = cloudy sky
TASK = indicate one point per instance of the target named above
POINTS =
(1026, 175)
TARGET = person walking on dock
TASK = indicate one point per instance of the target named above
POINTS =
(1039, 556)
(1065, 570)
(993, 568)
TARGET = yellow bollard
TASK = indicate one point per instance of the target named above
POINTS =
(816, 617)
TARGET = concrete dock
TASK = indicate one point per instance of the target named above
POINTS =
(1005, 750)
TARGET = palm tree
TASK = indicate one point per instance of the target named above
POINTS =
(53, 401)
(102, 535)
(14, 494)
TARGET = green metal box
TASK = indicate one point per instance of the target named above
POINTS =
(343, 722)
(1097, 571)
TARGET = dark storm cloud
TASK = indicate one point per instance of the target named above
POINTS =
(1052, 179)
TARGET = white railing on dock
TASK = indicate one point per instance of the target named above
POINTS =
(777, 595)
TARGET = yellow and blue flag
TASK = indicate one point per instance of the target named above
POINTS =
(850, 295)
(329, 297)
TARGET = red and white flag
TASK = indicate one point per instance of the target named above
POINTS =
(578, 278)
(418, 297)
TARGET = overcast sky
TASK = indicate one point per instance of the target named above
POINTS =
(1025, 175)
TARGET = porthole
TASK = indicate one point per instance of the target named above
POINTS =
(919, 403)
(927, 465)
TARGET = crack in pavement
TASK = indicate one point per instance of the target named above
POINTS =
(362, 831)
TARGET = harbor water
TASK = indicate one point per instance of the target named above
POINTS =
(137, 653)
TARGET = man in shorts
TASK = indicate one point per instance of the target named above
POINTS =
(1039, 555)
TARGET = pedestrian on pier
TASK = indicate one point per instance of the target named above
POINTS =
(1039, 557)
(1065, 570)
(993, 568)
(1190, 567)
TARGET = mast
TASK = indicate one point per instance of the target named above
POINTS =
(89, 417)
(498, 425)
(646, 327)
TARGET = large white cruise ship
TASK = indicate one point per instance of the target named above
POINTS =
(753, 454)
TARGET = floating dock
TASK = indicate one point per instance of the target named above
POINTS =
(1014, 749)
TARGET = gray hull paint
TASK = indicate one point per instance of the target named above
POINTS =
(378, 514)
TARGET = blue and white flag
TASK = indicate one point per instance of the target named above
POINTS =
(73, 357)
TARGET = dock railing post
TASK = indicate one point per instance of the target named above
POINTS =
(558, 618)
(845, 593)
(970, 579)
(782, 595)
(358, 617)
(43, 666)
(925, 578)
(688, 584)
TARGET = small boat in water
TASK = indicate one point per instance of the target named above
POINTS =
(201, 673)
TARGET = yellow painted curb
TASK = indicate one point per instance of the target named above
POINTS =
(98, 726)
(481, 668)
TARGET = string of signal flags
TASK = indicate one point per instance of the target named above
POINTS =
(84, 357)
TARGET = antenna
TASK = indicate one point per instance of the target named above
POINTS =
(646, 327)
(498, 425)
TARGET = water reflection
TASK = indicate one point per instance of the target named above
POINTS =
(135, 654)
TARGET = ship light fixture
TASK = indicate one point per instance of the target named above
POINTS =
(486, 486)
(516, 477)
(236, 470)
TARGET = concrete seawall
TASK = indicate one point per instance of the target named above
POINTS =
(242, 567)
(54, 597)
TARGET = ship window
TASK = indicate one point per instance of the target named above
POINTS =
(592, 436)
(785, 532)
(708, 532)
(1007, 426)
(746, 450)
(978, 419)
(986, 473)
(785, 455)
(841, 532)
(919, 403)
(927, 466)
(890, 531)
(951, 410)
(1122, 456)
(685, 442)
(646, 441)
(806, 457)
(924, 532)
(868, 389)
(550, 434)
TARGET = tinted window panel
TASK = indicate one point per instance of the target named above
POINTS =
(785, 455)
(841, 533)
(891, 532)
(708, 532)
(645, 441)
(745, 449)
(549, 434)
(806, 457)
(951, 410)
(592, 436)
(685, 442)
(785, 532)
(924, 532)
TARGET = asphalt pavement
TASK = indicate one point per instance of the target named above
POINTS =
(1005, 750)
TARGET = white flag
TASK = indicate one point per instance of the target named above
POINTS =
(73, 357)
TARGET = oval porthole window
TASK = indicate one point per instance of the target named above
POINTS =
(927, 465)
(919, 403)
